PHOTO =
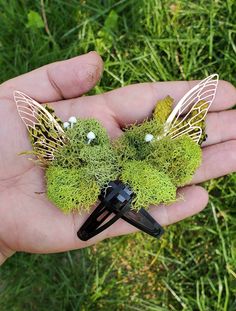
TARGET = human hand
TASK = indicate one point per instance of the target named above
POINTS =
(28, 221)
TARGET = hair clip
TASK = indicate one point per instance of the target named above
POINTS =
(116, 200)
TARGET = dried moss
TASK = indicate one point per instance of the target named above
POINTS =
(132, 144)
(151, 187)
(97, 157)
(178, 158)
(81, 170)
(69, 155)
(71, 189)
(101, 163)
(78, 133)
(163, 109)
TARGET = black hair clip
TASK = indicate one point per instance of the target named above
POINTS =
(116, 200)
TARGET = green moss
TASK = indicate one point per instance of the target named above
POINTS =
(179, 158)
(151, 187)
(101, 163)
(69, 155)
(124, 150)
(81, 170)
(78, 133)
(71, 189)
(132, 144)
(163, 109)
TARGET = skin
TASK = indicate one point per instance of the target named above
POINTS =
(28, 221)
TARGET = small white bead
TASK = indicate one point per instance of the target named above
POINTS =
(66, 125)
(91, 135)
(72, 119)
(148, 137)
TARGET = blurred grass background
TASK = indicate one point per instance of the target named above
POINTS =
(193, 267)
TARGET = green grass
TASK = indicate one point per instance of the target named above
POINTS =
(193, 267)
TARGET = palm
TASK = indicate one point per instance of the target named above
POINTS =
(28, 221)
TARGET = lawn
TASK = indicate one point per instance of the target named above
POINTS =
(193, 267)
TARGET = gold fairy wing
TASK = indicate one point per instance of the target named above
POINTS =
(187, 118)
(46, 132)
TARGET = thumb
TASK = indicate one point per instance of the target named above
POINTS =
(59, 80)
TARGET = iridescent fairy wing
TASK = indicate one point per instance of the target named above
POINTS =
(187, 118)
(44, 128)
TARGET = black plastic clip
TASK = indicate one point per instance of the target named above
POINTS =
(115, 201)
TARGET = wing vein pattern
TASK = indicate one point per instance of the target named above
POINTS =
(46, 133)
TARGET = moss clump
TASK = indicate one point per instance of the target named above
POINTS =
(81, 170)
(69, 155)
(100, 163)
(178, 158)
(132, 144)
(150, 186)
(163, 109)
(78, 133)
(70, 189)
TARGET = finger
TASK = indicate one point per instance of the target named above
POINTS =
(59, 80)
(218, 160)
(192, 200)
(220, 127)
(88, 107)
(136, 102)
(5, 252)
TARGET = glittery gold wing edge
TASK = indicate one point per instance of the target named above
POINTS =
(35, 116)
(191, 110)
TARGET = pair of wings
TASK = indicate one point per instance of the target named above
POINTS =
(47, 134)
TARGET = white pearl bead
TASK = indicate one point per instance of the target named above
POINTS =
(148, 137)
(72, 119)
(66, 125)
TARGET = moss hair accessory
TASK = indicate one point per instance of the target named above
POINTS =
(143, 167)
